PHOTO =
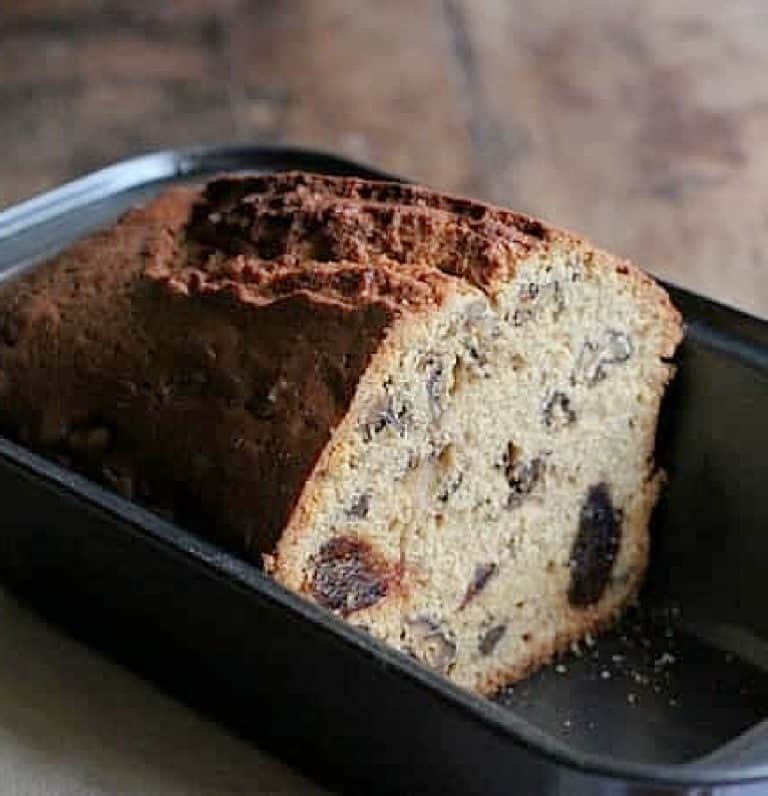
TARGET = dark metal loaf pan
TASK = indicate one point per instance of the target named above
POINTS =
(656, 707)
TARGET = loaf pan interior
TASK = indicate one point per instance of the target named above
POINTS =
(684, 680)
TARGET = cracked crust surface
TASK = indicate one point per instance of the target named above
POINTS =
(426, 413)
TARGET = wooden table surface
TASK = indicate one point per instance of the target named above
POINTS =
(642, 125)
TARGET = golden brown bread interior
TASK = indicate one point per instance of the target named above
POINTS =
(433, 417)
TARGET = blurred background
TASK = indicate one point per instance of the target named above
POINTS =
(642, 125)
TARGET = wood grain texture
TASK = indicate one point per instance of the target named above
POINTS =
(641, 125)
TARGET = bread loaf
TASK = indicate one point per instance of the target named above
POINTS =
(432, 417)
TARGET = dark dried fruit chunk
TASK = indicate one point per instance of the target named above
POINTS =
(558, 412)
(521, 476)
(491, 638)
(350, 575)
(595, 547)
(483, 573)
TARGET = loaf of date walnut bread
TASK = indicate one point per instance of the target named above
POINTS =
(433, 417)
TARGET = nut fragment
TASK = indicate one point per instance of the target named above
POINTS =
(385, 414)
(491, 638)
(535, 298)
(432, 643)
(359, 507)
(473, 359)
(597, 356)
(436, 385)
(483, 573)
(450, 487)
(557, 413)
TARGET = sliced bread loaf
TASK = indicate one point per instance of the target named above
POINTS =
(433, 417)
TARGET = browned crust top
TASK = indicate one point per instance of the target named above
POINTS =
(346, 239)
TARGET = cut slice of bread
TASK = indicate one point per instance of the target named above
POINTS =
(433, 417)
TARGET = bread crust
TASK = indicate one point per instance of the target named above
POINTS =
(211, 351)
